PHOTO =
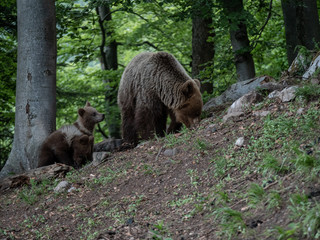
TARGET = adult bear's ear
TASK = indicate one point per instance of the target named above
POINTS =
(84, 140)
(87, 104)
(188, 88)
(81, 111)
(197, 82)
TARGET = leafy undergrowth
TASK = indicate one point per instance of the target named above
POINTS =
(269, 188)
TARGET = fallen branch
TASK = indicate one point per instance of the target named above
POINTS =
(57, 170)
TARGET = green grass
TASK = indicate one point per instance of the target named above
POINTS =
(32, 194)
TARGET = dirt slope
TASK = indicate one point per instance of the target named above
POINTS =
(193, 185)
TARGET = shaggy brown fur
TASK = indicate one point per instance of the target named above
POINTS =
(82, 149)
(152, 86)
(71, 144)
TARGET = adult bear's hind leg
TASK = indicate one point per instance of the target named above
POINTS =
(129, 131)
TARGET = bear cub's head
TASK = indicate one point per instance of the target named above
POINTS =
(89, 116)
(189, 112)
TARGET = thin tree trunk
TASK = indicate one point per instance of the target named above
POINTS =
(289, 17)
(109, 61)
(301, 25)
(239, 39)
(36, 83)
(308, 27)
(202, 49)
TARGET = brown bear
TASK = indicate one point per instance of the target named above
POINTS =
(71, 144)
(152, 86)
(82, 147)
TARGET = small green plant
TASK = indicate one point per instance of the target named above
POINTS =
(270, 162)
(30, 194)
(305, 215)
(194, 177)
(308, 92)
(274, 200)
(231, 222)
(256, 194)
(201, 145)
(287, 234)
(307, 163)
(159, 231)
(148, 169)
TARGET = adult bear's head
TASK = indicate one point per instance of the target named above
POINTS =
(189, 111)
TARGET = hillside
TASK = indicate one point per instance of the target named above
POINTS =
(193, 185)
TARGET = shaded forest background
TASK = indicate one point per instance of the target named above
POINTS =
(96, 40)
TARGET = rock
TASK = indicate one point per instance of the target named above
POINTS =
(170, 152)
(212, 128)
(314, 66)
(99, 157)
(71, 189)
(298, 64)
(261, 113)
(274, 94)
(108, 145)
(245, 101)
(61, 187)
(239, 89)
(232, 116)
(288, 94)
(240, 142)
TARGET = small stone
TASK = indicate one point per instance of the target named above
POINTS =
(240, 142)
(212, 128)
(71, 189)
(170, 152)
(232, 116)
(300, 111)
(62, 186)
(274, 94)
(261, 113)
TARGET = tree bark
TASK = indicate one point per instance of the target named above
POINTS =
(109, 61)
(308, 27)
(202, 49)
(289, 17)
(36, 83)
(302, 27)
(239, 39)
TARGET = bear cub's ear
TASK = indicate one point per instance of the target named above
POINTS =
(81, 111)
(87, 104)
(188, 88)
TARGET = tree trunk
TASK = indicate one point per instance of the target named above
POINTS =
(301, 25)
(289, 17)
(202, 50)
(308, 27)
(239, 39)
(36, 83)
(109, 61)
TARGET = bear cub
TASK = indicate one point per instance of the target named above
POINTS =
(72, 144)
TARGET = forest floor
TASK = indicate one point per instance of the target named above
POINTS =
(193, 185)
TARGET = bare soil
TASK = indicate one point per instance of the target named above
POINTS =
(143, 194)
